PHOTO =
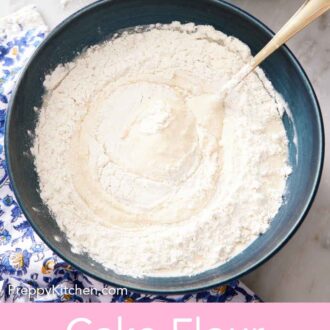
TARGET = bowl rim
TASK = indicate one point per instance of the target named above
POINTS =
(214, 282)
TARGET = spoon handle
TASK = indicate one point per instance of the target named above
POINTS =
(306, 14)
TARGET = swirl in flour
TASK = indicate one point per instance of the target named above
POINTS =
(141, 165)
(144, 165)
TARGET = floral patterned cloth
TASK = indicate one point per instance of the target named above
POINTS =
(25, 261)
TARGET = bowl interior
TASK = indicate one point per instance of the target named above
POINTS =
(97, 23)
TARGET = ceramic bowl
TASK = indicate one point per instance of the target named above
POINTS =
(99, 22)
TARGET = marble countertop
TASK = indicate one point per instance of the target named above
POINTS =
(300, 271)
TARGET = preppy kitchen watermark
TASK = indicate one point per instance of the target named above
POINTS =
(61, 291)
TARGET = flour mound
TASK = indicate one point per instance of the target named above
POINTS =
(142, 166)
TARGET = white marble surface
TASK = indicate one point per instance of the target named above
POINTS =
(301, 271)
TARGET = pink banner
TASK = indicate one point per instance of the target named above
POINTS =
(165, 316)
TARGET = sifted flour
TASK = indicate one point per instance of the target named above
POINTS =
(142, 167)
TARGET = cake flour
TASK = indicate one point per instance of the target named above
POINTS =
(142, 167)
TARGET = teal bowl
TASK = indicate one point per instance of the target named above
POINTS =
(99, 22)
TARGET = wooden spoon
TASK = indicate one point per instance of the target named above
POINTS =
(305, 15)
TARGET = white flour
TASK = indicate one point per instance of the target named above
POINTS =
(143, 169)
